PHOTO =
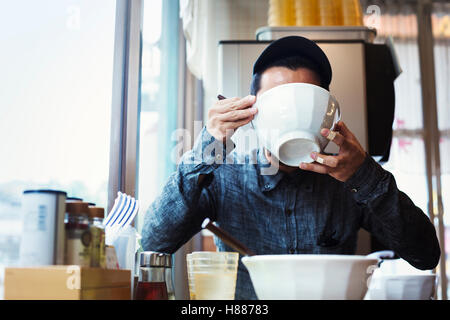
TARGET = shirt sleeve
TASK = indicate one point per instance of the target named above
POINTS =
(187, 198)
(391, 216)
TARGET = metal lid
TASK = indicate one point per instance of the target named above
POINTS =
(96, 212)
(73, 199)
(155, 259)
(45, 191)
(77, 208)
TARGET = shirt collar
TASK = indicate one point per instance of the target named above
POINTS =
(267, 181)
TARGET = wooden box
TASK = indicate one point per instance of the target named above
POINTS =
(66, 283)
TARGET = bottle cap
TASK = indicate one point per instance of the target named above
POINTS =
(96, 212)
(155, 259)
(77, 208)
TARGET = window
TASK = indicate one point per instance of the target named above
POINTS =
(408, 158)
(55, 89)
(159, 99)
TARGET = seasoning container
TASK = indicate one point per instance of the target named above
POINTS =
(43, 227)
(152, 277)
(169, 277)
(98, 248)
(78, 235)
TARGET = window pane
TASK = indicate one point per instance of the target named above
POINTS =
(55, 91)
(159, 93)
(441, 31)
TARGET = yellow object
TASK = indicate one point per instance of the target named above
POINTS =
(67, 283)
(351, 13)
(329, 12)
(281, 13)
(307, 12)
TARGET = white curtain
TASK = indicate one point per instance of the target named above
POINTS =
(206, 22)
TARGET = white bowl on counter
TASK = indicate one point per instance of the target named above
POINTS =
(402, 287)
(398, 280)
(310, 276)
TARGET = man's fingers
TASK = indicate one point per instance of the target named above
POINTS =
(334, 136)
(329, 161)
(236, 115)
(315, 167)
(344, 130)
(237, 124)
(228, 105)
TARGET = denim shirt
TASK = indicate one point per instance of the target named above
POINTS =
(279, 213)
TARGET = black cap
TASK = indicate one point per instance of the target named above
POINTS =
(295, 46)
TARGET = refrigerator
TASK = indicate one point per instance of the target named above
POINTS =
(362, 82)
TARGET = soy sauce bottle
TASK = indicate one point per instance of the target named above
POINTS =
(152, 280)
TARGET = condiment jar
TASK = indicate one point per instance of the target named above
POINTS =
(98, 248)
(78, 235)
(169, 279)
(152, 277)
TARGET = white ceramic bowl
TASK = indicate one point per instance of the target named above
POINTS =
(396, 279)
(310, 277)
(402, 287)
(289, 120)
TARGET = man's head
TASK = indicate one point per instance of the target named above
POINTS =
(290, 59)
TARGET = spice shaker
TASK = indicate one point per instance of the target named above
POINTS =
(169, 278)
(152, 276)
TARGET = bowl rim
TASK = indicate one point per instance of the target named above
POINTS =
(309, 257)
(293, 84)
(405, 276)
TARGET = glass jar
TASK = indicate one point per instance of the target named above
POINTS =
(98, 248)
(152, 277)
(169, 277)
(78, 236)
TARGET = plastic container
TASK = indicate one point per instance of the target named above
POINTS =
(212, 275)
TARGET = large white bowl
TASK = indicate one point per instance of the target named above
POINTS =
(290, 118)
(310, 277)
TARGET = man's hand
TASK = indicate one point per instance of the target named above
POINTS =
(229, 114)
(341, 167)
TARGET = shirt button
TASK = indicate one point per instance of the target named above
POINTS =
(267, 186)
(219, 157)
(288, 212)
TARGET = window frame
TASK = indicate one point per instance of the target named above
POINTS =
(125, 107)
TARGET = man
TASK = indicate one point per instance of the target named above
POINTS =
(315, 208)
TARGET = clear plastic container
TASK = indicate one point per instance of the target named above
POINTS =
(281, 13)
(212, 275)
